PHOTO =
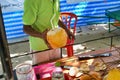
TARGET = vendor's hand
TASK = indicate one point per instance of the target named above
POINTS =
(70, 35)
(44, 36)
(49, 46)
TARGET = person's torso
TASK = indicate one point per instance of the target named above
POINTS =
(48, 14)
(43, 14)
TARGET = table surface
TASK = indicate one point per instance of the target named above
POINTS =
(111, 61)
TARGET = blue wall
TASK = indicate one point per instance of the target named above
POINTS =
(13, 20)
(94, 8)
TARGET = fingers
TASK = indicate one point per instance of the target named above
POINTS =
(45, 38)
(71, 36)
(46, 30)
(49, 46)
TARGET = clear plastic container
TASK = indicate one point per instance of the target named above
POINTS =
(57, 74)
(25, 71)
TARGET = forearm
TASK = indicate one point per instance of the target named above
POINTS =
(61, 24)
(30, 31)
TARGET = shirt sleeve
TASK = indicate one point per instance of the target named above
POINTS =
(30, 12)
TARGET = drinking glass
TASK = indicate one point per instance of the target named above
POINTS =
(24, 71)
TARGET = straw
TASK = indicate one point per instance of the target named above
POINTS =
(52, 21)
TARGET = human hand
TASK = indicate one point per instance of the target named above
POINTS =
(44, 36)
(70, 35)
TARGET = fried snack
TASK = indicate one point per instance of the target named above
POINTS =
(91, 76)
(95, 75)
(84, 67)
(99, 66)
(86, 77)
(78, 74)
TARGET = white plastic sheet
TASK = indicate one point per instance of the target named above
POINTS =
(11, 5)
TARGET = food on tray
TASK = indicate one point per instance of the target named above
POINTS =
(95, 75)
(84, 67)
(90, 61)
(113, 74)
(104, 78)
(78, 74)
(85, 77)
(118, 65)
(57, 37)
(66, 71)
(99, 66)
(73, 71)
(91, 76)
